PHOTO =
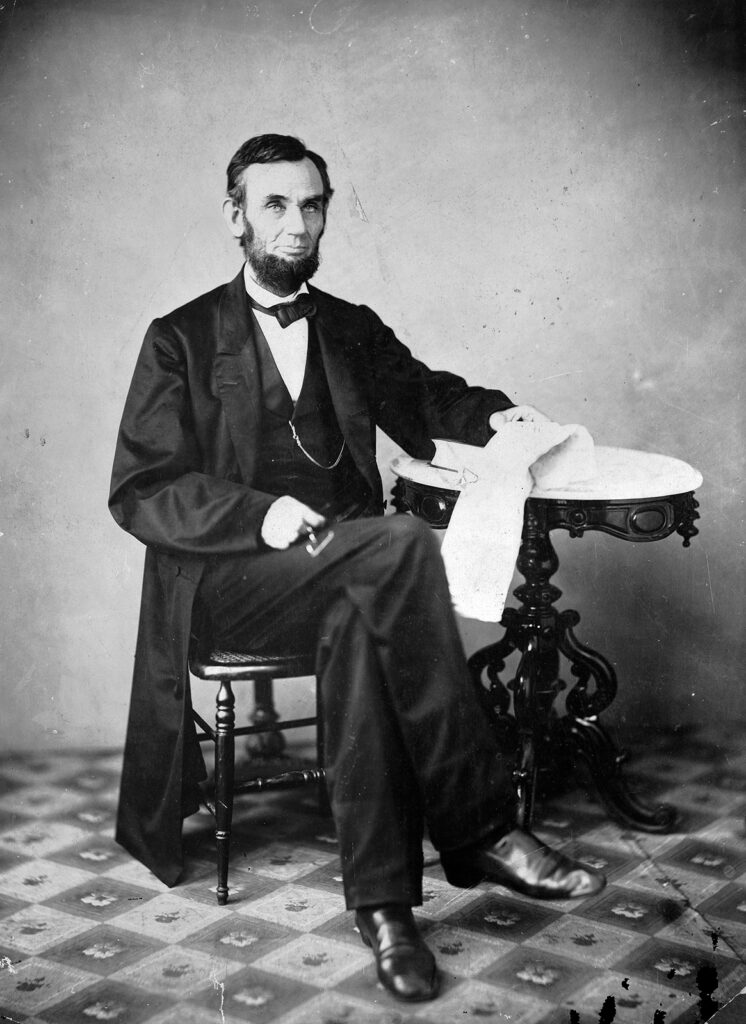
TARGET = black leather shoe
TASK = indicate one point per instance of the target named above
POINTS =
(522, 862)
(405, 965)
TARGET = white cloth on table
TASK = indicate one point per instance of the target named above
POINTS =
(484, 534)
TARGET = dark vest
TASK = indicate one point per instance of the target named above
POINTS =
(334, 485)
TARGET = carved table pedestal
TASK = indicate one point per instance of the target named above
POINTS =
(553, 726)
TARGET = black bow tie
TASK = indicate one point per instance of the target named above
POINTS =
(288, 312)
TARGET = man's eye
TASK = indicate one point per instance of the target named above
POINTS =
(274, 205)
(312, 207)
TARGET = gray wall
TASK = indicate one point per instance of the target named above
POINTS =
(545, 196)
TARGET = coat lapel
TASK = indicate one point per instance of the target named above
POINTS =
(237, 375)
(347, 388)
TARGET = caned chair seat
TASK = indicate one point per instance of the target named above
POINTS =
(228, 667)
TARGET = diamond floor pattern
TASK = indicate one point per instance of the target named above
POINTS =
(87, 934)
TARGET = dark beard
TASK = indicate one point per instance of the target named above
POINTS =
(276, 274)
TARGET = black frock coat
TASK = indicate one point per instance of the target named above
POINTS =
(182, 484)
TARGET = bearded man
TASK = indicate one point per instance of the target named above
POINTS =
(251, 421)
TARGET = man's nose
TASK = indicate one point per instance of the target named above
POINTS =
(294, 222)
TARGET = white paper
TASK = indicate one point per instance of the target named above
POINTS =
(484, 534)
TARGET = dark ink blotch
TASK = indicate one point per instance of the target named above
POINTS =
(608, 1011)
(707, 982)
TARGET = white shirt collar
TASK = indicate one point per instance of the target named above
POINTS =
(262, 296)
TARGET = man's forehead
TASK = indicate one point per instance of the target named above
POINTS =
(282, 178)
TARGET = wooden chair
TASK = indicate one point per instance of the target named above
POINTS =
(226, 668)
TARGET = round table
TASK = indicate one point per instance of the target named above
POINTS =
(634, 495)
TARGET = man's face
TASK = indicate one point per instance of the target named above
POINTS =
(281, 223)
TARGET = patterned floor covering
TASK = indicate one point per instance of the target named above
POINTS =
(87, 934)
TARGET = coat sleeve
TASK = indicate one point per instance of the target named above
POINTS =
(159, 490)
(410, 397)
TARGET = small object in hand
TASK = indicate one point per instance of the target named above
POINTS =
(315, 545)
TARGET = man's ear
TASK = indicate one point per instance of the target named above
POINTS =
(233, 216)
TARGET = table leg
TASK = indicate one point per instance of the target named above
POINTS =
(604, 761)
(541, 737)
(532, 632)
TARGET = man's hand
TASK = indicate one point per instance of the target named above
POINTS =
(525, 413)
(286, 520)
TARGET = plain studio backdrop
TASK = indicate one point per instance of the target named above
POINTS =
(545, 196)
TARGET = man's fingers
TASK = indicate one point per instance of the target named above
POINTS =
(313, 519)
(286, 520)
(526, 413)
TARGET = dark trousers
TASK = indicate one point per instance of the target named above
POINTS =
(407, 740)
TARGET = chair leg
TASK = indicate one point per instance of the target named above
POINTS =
(325, 809)
(270, 743)
(225, 720)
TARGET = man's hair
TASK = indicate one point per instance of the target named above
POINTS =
(267, 149)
